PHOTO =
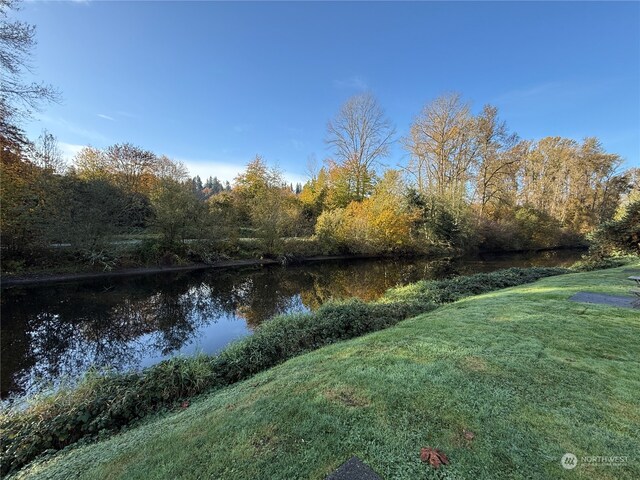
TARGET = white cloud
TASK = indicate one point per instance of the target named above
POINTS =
(69, 150)
(106, 117)
(355, 82)
(225, 171)
(295, 178)
(228, 170)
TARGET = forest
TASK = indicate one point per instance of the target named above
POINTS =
(469, 184)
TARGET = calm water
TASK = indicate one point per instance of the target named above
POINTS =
(60, 330)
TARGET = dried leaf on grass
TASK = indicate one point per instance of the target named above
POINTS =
(434, 456)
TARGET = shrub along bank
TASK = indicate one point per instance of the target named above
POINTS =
(103, 403)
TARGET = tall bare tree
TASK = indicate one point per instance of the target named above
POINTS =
(47, 154)
(443, 148)
(497, 160)
(360, 136)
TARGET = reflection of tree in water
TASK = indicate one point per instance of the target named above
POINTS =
(61, 331)
(353, 281)
(58, 330)
(271, 292)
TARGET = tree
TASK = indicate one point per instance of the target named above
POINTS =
(621, 235)
(177, 212)
(436, 225)
(265, 200)
(497, 162)
(46, 153)
(545, 168)
(594, 187)
(127, 166)
(167, 169)
(17, 98)
(578, 184)
(131, 167)
(360, 136)
(378, 224)
(214, 186)
(443, 148)
(90, 164)
(21, 202)
(314, 194)
(87, 213)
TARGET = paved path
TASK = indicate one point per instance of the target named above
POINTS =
(602, 299)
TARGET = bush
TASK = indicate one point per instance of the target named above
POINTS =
(104, 403)
(450, 290)
(591, 262)
(524, 229)
(302, 247)
(619, 236)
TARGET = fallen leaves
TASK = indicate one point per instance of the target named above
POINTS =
(433, 456)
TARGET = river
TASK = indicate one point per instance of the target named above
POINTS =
(53, 333)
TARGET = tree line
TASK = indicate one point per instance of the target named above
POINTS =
(469, 183)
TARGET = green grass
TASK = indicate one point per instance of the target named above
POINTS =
(530, 373)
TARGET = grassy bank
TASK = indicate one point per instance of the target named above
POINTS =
(531, 374)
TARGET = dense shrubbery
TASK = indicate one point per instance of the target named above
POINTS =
(525, 228)
(620, 235)
(594, 262)
(102, 403)
(446, 291)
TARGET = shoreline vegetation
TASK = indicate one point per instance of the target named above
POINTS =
(44, 277)
(104, 403)
(54, 276)
(123, 207)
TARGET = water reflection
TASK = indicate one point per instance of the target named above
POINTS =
(56, 331)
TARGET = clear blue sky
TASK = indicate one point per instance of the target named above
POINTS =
(213, 84)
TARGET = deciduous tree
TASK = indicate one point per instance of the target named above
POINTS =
(360, 136)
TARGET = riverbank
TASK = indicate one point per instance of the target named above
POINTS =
(43, 278)
(40, 278)
(530, 375)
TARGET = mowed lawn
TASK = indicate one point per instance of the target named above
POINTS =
(532, 375)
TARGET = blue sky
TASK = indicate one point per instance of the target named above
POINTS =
(214, 84)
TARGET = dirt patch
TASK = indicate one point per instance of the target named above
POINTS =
(347, 397)
(603, 299)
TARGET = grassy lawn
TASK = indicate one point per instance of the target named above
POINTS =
(531, 374)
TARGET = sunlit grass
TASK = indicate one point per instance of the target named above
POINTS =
(530, 373)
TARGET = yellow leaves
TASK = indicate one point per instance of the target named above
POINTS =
(378, 224)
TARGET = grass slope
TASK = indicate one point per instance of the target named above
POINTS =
(530, 373)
